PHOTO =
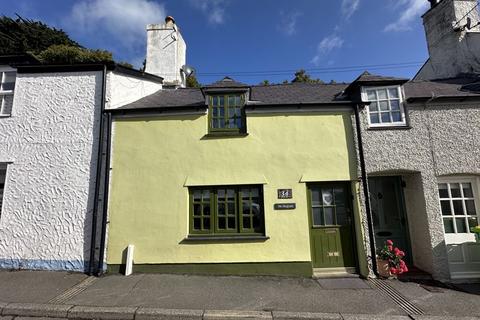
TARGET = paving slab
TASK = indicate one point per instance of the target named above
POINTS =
(102, 313)
(232, 314)
(373, 317)
(231, 293)
(282, 315)
(343, 283)
(36, 310)
(167, 314)
(35, 286)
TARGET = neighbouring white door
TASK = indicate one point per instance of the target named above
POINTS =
(459, 202)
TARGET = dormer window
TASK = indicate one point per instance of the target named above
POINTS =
(7, 85)
(226, 113)
(386, 106)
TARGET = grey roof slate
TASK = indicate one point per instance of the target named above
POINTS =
(298, 93)
(368, 77)
(227, 82)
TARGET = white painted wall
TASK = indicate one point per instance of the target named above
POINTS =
(123, 89)
(51, 141)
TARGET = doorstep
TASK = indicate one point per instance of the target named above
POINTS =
(321, 273)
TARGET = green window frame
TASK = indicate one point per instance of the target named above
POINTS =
(226, 113)
(227, 210)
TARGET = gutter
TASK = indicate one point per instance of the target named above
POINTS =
(91, 268)
(364, 178)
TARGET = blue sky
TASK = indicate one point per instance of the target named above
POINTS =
(252, 40)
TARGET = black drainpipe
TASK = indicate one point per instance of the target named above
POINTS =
(101, 255)
(371, 235)
(91, 267)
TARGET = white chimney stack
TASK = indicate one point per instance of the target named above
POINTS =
(166, 52)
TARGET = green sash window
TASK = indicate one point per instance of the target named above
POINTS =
(226, 210)
(226, 113)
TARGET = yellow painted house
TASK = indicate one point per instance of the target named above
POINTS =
(236, 179)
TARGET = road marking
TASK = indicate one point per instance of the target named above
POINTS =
(403, 302)
(73, 291)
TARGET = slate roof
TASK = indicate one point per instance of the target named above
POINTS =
(368, 77)
(227, 82)
(301, 93)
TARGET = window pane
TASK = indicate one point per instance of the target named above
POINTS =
(9, 77)
(197, 224)
(238, 101)
(374, 118)
(373, 106)
(8, 86)
(395, 104)
(396, 117)
(329, 216)
(206, 195)
(339, 196)
(472, 222)
(446, 210)
(231, 100)
(455, 190)
(221, 112)
(197, 209)
(386, 117)
(327, 196)
(221, 194)
(7, 104)
(470, 206)
(221, 209)
(206, 209)
(458, 207)
(383, 105)
(342, 216)
(230, 194)
(231, 209)
(215, 111)
(231, 223)
(467, 190)
(197, 195)
(443, 190)
(206, 223)
(317, 217)
(238, 112)
(255, 193)
(448, 225)
(371, 95)
(382, 94)
(461, 225)
(221, 223)
(393, 92)
(214, 100)
(316, 197)
(238, 123)
(246, 223)
(221, 100)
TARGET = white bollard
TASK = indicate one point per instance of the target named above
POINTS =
(129, 262)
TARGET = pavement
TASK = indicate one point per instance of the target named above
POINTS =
(61, 295)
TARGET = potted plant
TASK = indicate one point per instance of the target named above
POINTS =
(476, 231)
(390, 261)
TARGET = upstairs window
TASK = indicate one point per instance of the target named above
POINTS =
(226, 113)
(386, 106)
(7, 85)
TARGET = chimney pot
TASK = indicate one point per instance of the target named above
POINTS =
(169, 19)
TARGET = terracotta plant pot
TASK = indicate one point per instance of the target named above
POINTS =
(383, 268)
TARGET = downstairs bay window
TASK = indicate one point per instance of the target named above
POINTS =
(226, 211)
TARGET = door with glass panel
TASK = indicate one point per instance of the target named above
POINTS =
(331, 225)
(459, 205)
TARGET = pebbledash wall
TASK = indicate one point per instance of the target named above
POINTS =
(50, 143)
(149, 205)
(440, 141)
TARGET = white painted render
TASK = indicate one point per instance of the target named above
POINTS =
(166, 52)
(123, 89)
(451, 50)
(50, 143)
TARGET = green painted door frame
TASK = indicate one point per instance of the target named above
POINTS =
(332, 234)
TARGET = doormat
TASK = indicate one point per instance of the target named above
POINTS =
(386, 289)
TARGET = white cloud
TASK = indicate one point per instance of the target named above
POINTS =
(349, 7)
(124, 20)
(214, 10)
(325, 46)
(412, 9)
(288, 22)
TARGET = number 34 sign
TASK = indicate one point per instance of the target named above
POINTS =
(284, 193)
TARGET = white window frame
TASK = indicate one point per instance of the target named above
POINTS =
(5, 92)
(399, 88)
(458, 238)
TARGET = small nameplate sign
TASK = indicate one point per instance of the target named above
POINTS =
(284, 206)
(284, 193)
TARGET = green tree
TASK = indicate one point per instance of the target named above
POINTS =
(265, 83)
(47, 44)
(192, 82)
(126, 64)
(303, 77)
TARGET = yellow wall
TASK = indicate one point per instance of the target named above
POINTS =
(155, 159)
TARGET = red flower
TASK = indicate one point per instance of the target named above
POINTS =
(390, 248)
(405, 269)
(393, 270)
(396, 251)
(389, 243)
(401, 253)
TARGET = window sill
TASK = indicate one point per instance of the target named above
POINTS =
(225, 238)
(5, 115)
(224, 134)
(399, 127)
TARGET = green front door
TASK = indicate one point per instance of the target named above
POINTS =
(331, 229)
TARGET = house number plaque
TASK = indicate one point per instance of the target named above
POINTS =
(284, 193)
